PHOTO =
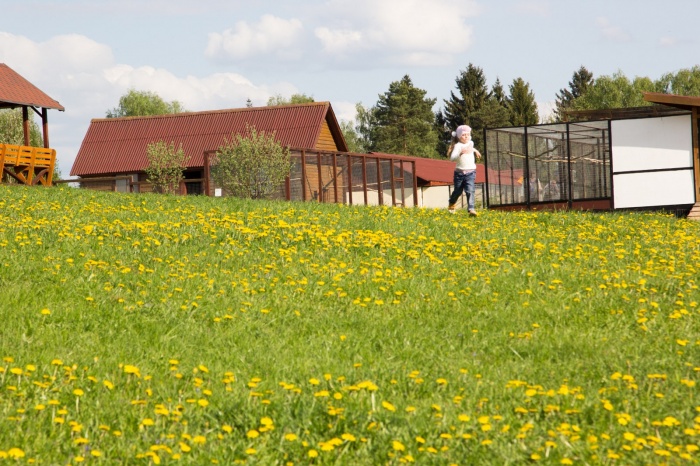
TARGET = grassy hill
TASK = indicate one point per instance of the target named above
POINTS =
(144, 329)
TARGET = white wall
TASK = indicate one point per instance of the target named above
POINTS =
(653, 189)
(663, 144)
(652, 143)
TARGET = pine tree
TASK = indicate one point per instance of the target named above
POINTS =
(581, 81)
(493, 113)
(462, 108)
(472, 93)
(521, 104)
(404, 121)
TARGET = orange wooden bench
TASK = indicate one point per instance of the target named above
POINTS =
(28, 165)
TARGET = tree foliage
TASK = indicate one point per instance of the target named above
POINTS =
(615, 91)
(404, 121)
(581, 81)
(143, 103)
(618, 91)
(365, 125)
(12, 129)
(472, 105)
(252, 165)
(683, 82)
(352, 138)
(278, 99)
(165, 166)
(521, 104)
(462, 107)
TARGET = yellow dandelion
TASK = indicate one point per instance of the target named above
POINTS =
(15, 453)
(388, 406)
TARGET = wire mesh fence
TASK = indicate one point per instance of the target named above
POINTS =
(548, 163)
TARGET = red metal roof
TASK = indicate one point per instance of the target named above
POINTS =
(118, 145)
(15, 91)
(436, 172)
(508, 177)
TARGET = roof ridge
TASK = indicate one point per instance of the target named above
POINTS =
(205, 112)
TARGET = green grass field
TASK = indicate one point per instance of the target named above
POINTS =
(147, 329)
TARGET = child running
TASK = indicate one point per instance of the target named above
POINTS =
(462, 150)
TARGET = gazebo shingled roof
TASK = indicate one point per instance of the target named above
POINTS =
(15, 91)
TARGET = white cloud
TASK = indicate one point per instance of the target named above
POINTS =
(406, 32)
(68, 53)
(339, 41)
(273, 36)
(611, 32)
(668, 41)
(344, 110)
(83, 76)
(533, 7)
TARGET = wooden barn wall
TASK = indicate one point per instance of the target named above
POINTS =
(325, 139)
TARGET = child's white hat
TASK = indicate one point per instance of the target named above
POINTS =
(461, 130)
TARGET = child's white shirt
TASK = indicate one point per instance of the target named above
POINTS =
(464, 161)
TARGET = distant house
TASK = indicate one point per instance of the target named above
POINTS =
(117, 146)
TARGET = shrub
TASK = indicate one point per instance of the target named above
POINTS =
(165, 166)
(252, 165)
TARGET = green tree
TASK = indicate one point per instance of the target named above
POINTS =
(493, 113)
(365, 126)
(521, 104)
(12, 129)
(405, 121)
(615, 91)
(143, 103)
(581, 81)
(165, 166)
(462, 106)
(251, 165)
(278, 99)
(352, 139)
(683, 82)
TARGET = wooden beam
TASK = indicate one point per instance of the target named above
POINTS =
(696, 151)
(681, 101)
(25, 124)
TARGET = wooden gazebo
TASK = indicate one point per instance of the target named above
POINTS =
(26, 164)
(692, 104)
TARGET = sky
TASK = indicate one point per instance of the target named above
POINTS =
(217, 54)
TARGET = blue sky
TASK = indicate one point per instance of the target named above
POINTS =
(215, 54)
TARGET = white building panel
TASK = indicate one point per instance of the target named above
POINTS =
(652, 144)
(664, 188)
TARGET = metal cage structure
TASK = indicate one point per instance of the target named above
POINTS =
(562, 165)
